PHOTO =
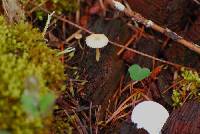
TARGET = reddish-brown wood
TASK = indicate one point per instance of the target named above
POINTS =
(169, 13)
(194, 32)
(184, 120)
(152, 9)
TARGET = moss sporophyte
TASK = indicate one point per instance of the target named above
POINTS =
(31, 76)
(188, 87)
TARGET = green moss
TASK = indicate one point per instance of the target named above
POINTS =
(64, 6)
(62, 124)
(189, 88)
(27, 65)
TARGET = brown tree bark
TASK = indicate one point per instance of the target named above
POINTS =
(194, 31)
(167, 13)
(184, 120)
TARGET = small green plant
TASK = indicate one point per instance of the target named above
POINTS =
(187, 89)
(37, 105)
(137, 73)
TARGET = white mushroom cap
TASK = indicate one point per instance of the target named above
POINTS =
(150, 115)
(96, 40)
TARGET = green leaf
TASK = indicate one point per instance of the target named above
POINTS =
(46, 102)
(29, 104)
(137, 73)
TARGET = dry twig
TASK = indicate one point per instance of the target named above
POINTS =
(133, 37)
(13, 11)
(117, 44)
(114, 43)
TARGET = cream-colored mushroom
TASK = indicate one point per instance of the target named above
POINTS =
(149, 115)
(97, 41)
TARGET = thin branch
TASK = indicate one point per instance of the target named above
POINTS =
(133, 37)
(197, 2)
(149, 24)
(114, 43)
(119, 45)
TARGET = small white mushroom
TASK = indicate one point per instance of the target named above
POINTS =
(97, 41)
(150, 116)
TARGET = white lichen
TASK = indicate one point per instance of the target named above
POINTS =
(47, 23)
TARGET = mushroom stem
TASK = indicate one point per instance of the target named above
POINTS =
(97, 54)
(79, 43)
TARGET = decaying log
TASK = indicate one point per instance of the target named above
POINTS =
(184, 56)
(168, 13)
(149, 24)
(103, 77)
(125, 128)
(194, 32)
(184, 120)
(131, 128)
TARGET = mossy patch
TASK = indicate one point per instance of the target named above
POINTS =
(189, 87)
(27, 65)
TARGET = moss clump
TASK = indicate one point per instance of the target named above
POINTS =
(29, 69)
(189, 88)
(62, 124)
